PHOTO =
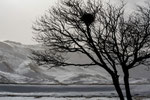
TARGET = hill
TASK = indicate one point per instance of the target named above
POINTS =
(16, 67)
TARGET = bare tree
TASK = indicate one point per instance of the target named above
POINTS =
(100, 31)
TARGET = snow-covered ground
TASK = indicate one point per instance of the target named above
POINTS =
(16, 67)
(53, 98)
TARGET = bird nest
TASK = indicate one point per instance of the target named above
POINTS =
(88, 18)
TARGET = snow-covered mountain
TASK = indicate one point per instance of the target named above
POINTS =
(16, 67)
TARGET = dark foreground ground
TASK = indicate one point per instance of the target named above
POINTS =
(69, 90)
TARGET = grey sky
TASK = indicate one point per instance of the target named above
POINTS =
(17, 17)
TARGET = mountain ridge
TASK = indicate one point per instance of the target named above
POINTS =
(16, 67)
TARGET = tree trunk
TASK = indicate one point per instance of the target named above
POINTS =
(127, 87)
(117, 87)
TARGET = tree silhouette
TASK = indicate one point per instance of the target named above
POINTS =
(102, 32)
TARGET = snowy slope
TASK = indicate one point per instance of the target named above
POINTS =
(16, 67)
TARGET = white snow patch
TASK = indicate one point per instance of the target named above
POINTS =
(14, 77)
(63, 98)
(53, 98)
(23, 67)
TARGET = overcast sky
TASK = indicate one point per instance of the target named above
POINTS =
(17, 17)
